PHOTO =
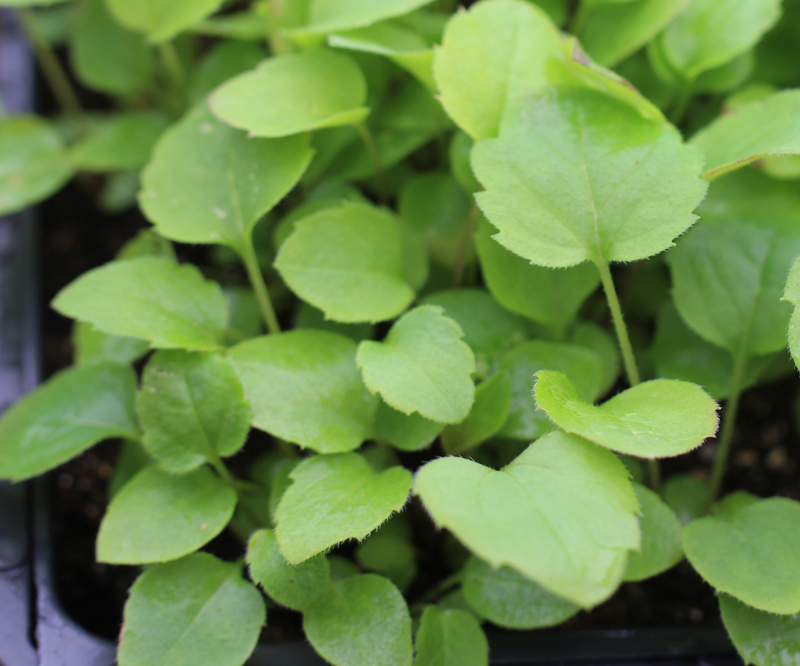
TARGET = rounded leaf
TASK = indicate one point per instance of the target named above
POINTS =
(450, 637)
(761, 639)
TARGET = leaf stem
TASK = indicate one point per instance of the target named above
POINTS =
(57, 78)
(678, 110)
(619, 324)
(728, 425)
(172, 63)
(259, 286)
(466, 243)
(372, 149)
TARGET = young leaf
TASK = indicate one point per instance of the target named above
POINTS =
(192, 409)
(224, 61)
(294, 93)
(389, 552)
(686, 495)
(335, 498)
(422, 366)
(510, 600)
(450, 638)
(407, 432)
(761, 639)
(562, 514)
(546, 296)
(107, 57)
(149, 298)
(161, 20)
(487, 417)
(122, 142)
(608, 184)
(148, 243)
(661, 538)
(348, 261)
(750, 132)
(209, 183)
(304, 387)
(299, 587)
(197, 611)
(158, 517)
(131, 460)
(33, 162)
(748, 549)
(792, 294)
(72, 411)
(91, 345)
(520, 365)
(325, 16)
(597, 339)
(656, 419)
(364, 620)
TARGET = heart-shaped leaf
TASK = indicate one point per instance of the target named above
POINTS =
(304, 387)
(334, 498)
(607, 184)
(761, 639)
(294, 93)
(161, 19)
(422, 366)
(157, 517)
(450, 637)
(562, 514)
(656, 419)
(748, 549)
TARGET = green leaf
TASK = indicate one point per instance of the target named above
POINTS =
(656, 419)
(709, 33)
(158, 517)
(348, 261)
(596, 338)
(460, 151)
(520, 365)
(307, 316)
(122, 142)
(148, 243)
(607, 184)
(325, 16)
(304, 387)
(422, 366)
(686, 495)
(294, 93)
(407, 432)
(547, 296)
(508, 599)
(335, 498)
(487, 417)
(161, 19)
(131, 460)
(615, 31)
(106, 56)
(389, 552)
(450, 638)
(91, 345)
(197, 611)
(209, 183)
(748, 549)
(149, 298)
(792, 294)
(298, 587)
(75, 409)
(364, 620)
(489, 330)
(224, 61)
(250, 24)
(192, 409)
(729, 272)
(761, 639)
(562, 514)
(31, 3)
(661, 538)
(33, 162)
(750, 132)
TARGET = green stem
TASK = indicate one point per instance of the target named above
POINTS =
(619, 324)
(678, 110)
(728, 425)
(172, 63)
(465, 244)
(380, 173)
(57, 78)
(259, 287)
(580, 18)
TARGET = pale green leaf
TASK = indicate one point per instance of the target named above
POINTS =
(487, 417)
(161, 20)
(72, 411)
(407, 432)
(422, 366)
(748, 549)
(656, 419)
(562, 514)
(607, 184)
(325, 16)
(450, 638)
(91, 345)
(209, 183)
(304, 387)
(223, 62)
(364, 620)
(192, 409)
(792, 295)
(348, 261)
(119, 143)
(334, 498)
(294, 93)
(197, 611)
(508, 599)
(157, 517)
(150, 298)
(761, 639)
